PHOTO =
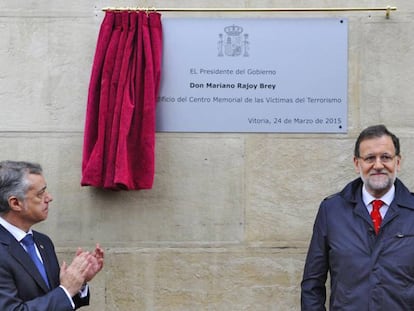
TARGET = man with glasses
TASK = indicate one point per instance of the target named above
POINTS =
(30, 276)
(364, 235)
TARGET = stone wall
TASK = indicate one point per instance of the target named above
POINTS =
(227, 223)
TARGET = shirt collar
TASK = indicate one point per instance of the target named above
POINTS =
(18, 233)
(386, 198)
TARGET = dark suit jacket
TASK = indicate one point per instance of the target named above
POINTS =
(367, 271)
(21, 285)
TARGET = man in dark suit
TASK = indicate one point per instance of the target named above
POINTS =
(24, 201)
(363, 236)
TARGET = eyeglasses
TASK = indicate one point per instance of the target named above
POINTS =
(384, 158)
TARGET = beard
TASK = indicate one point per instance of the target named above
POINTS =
(378, 183)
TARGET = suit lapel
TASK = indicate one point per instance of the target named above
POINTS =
(392, 212)
(18, 252)
(362, 212)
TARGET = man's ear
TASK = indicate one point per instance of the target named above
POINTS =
(356, 165)
(15, 204)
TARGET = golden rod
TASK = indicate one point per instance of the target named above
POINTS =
(386, 9)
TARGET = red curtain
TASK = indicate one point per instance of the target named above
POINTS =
(119, 138)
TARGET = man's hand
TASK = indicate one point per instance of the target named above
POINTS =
(72, 277)
(96, 261)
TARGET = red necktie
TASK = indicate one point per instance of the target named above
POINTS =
(376, 215)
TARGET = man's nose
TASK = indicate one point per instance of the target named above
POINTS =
(48, 198)
(378, 163)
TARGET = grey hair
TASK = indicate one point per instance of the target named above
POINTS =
(14, 181)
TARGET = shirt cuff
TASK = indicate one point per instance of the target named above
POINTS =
(83, 292)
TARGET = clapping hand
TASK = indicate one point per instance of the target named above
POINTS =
(96, 261)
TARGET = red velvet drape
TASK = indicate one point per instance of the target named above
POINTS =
(119, 138)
